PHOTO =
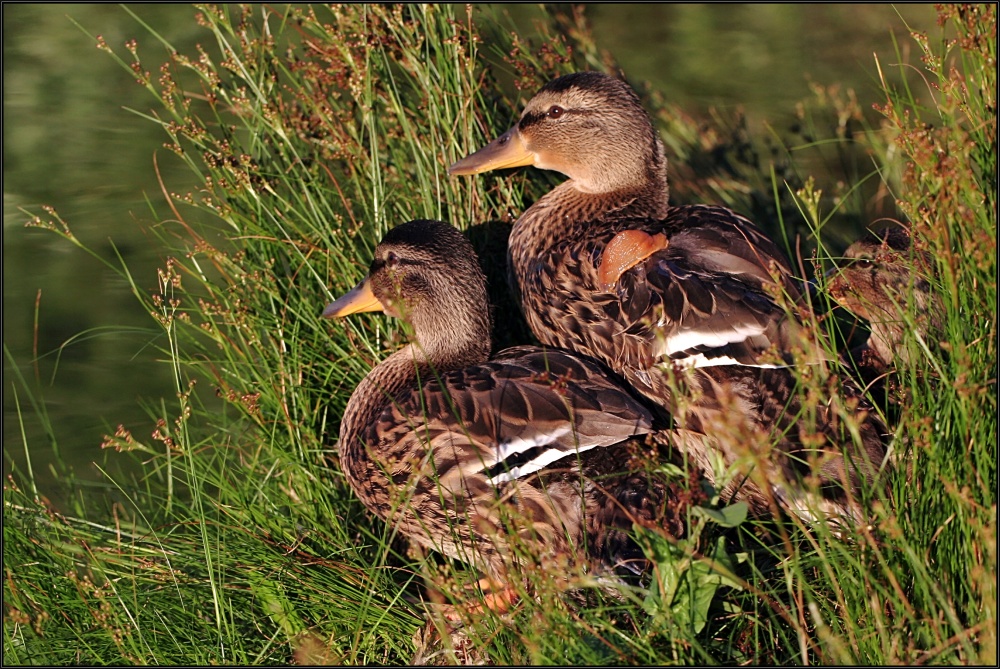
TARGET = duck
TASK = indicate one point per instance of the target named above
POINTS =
(475, 456)
(883, 280)
(694, 306)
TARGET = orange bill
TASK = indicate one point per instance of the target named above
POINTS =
(357, 300)
(507, 150)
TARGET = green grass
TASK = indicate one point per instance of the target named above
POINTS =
(312, 131)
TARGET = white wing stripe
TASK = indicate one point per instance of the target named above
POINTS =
(543, 459)
(699, 360)
(518, 445)
(686, 339)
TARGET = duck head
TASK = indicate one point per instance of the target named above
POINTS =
(879, 274)
(588, 126)
(883, 280)
(426, 273)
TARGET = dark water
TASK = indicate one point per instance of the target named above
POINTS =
(92, 360)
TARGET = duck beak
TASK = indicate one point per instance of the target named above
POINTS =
(812, 288)
(507, 150)
(359, 299)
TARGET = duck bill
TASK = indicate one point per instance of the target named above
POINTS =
(834, 271)
(507, 150)
(358, 300)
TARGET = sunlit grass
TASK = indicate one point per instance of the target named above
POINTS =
(313, 131)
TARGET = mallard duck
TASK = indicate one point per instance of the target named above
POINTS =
(879, 278)
(682, 301)
(453, 449)
(886, 282)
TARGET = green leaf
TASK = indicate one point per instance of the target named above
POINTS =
(728, 516)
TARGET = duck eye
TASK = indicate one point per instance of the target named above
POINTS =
(391, 259)
(555, 111)
(863, 263)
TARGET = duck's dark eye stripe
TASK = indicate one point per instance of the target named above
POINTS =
(393, 261)
(532, 118)
(529, 120)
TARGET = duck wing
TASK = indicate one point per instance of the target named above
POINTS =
(506, 419)
(709, 296)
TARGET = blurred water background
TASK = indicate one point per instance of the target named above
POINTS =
(69, 142)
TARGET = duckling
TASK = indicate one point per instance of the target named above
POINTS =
(471, 456)
(690, 304)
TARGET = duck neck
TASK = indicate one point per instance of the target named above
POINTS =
(376, 391)
(621, 178)
(605, 195)
(888, 342)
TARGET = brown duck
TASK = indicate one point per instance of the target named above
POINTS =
(883, 280)
(475, 457)
(687, 303)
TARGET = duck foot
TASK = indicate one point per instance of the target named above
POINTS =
(485, 594)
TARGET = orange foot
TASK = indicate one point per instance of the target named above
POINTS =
(497, 597)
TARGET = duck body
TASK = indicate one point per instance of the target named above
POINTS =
(450, 460)
(701, 301)
(697, 317)
(468, 456)
(685, 303)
